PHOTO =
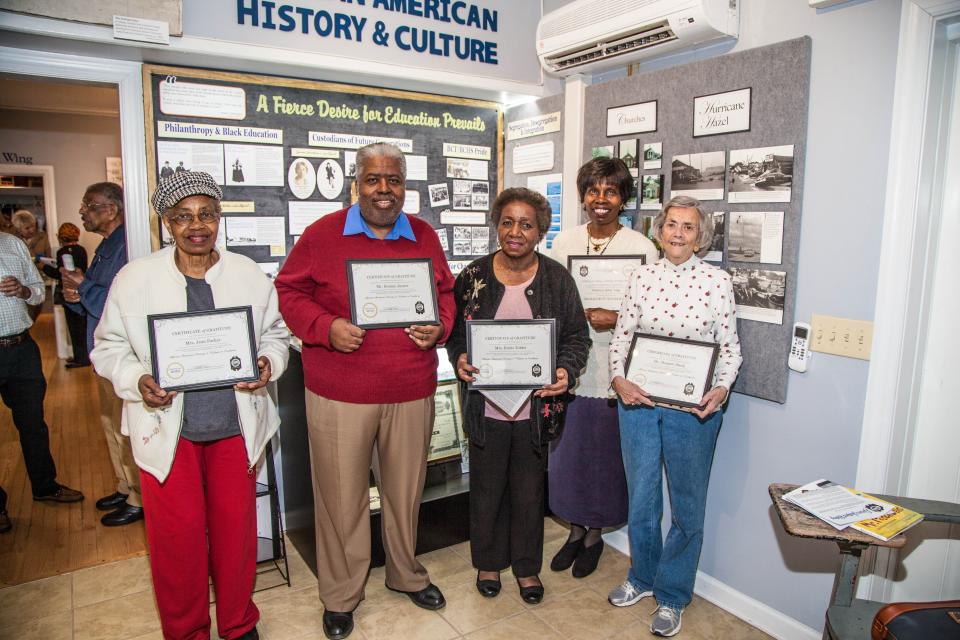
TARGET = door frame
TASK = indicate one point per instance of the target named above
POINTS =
(44, 171)
(126, 76)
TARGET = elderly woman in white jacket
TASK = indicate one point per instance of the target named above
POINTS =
(197, 450)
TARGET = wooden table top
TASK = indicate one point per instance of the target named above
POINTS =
(798, 522)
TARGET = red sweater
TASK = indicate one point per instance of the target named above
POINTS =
(312, 287)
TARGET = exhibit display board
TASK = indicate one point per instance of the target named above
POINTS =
(284, 152)
(731, 132)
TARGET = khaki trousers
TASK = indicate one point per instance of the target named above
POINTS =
(121, 456)
(342, 439)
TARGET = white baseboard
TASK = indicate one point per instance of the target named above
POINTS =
(763, 617)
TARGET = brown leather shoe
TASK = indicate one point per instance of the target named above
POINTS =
(61, 494)
(5, 524)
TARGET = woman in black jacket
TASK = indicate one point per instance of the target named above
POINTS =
(507, 456)
(69, 236)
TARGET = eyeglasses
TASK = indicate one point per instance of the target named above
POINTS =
(184, 219)
(88, 206)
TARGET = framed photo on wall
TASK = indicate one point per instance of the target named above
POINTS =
(632, 118)
(721, 113)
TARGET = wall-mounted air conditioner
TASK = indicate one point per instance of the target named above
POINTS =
(586, 36)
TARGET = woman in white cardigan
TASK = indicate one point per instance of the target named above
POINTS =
(197, 450)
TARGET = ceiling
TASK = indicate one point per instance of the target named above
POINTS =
(58, 96)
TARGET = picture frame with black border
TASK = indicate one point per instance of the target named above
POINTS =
(749, 91)
(426, 316)
(541, 373)
(160, 354)
(701, 375)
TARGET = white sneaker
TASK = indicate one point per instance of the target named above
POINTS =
(666, 622)
(626, 595)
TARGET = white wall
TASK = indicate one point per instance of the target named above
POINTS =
(76, 145)
(817, 432)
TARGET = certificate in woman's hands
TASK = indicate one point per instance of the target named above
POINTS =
(203, 349)
(512, 354)
(673, 372)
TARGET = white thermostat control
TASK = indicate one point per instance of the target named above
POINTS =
(800, 347)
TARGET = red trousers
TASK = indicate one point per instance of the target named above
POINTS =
(202, 521)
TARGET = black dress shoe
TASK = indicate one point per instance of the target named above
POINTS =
(532, 594)
(126, 514)
(76, 365)
(587, 561)
(488, 588)
(111, 502)
(567, 554)
(250, 635)
(336, 625)
(429, 597)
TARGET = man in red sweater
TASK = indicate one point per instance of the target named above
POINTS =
(365, 388)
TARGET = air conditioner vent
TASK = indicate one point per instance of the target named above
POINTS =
(648, 36)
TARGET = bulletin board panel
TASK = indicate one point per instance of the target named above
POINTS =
(281, 147)
(779, 78)
(532, 111)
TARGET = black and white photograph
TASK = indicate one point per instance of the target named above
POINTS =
(461, 187)
(253, 165)
(652, 155)
(350, 164)
(480, 240)
(302, 178)
(698, 175)
(651, 191)
(756, 236)
(481, 187)
(442, 235)
(716, 245)
(764, 174)
(439, 194)
(480, 201)
(759, 294)
(462, 233)
(627, 151)
(462, 248)
(174, 157)
(330, 179)
(462, 201)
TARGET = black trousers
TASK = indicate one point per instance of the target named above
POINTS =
(506, 500)
(77, 327)
(22, 387)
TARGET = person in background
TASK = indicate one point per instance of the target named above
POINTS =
(587, 485)
(366, 389)
(101, 211)
(26, 228)
(507, 453)
(22, 385)
(197, 450)
(657, 439)
(69, 237)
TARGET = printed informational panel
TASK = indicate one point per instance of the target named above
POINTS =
(286, 150)
(731, 132)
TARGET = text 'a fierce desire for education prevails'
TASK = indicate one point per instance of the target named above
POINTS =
(270, 15)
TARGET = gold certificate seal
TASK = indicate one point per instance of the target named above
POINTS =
(174, 370)
(369, 310)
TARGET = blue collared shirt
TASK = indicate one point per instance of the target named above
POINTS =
(356, 224)
(108, 259)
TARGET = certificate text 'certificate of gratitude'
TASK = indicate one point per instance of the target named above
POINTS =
(392, 293)
(203, 349)
(603, 280)
(512, 354)
(671, 371)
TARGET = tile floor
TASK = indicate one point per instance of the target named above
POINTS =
(115, 602)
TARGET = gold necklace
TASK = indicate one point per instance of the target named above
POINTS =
(600, 247)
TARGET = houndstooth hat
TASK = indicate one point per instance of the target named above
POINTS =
(184, 184)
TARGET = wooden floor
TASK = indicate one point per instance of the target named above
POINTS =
(49, 539)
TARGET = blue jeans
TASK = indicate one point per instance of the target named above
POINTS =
(683, 444)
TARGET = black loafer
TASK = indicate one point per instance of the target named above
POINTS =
(429, 597)
(111, 502)
(587, 561)
(337, 625)
(567, 554)
(488, 588)
(531, 595)
(126, 514)
(253, 634)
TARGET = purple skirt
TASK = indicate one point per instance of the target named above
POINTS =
(587, 483)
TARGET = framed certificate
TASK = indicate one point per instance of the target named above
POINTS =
(672, 371)
(512, 354)
(392, 293)
(203, 349)
(447, 424)
(602, 280)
